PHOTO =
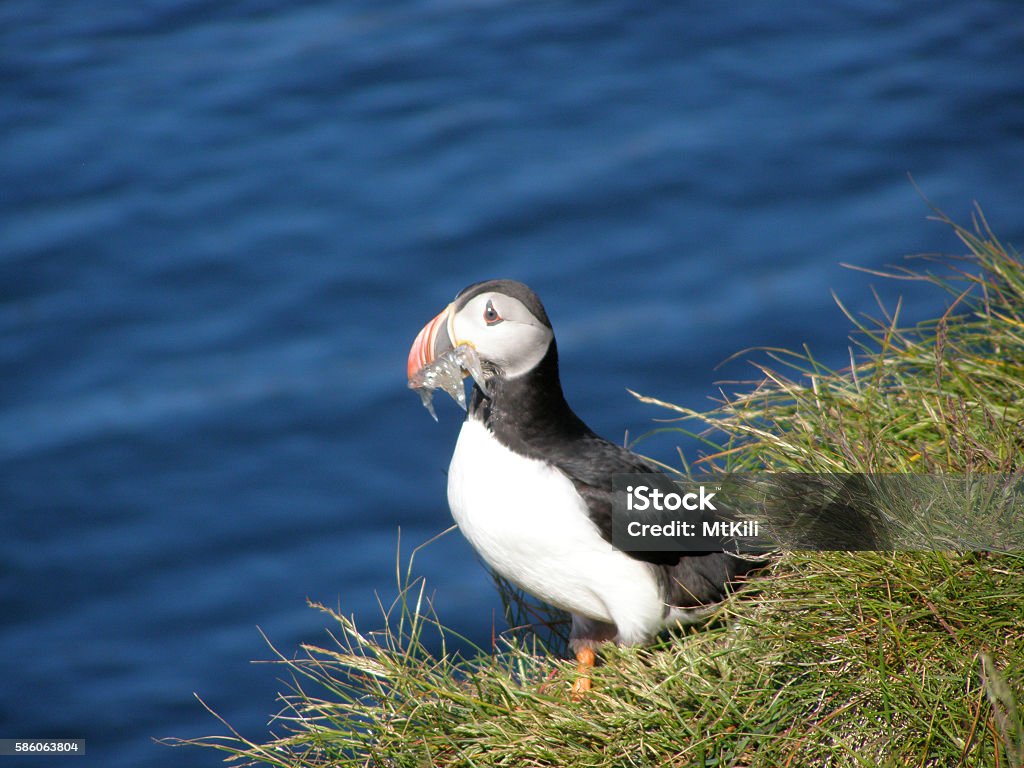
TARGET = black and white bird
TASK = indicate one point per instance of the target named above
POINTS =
(530, 485)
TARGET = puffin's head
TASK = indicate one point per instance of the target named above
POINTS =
(502, 320)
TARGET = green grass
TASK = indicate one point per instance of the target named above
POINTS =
(830, 659)
(940, 396)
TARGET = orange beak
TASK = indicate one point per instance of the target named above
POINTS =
(430, 342)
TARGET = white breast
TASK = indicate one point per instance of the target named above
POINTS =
(528, 523)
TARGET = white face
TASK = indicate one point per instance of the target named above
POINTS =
(503, 331)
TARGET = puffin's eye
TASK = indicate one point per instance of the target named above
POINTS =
(491, 316)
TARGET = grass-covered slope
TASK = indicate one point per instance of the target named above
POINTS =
(946, 395)
(839, 659)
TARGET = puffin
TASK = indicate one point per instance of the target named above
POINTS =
(530, 484)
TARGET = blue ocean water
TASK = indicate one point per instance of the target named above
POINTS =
(223, 224)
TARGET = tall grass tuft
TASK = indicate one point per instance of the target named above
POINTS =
(831, 659)
(944, 395)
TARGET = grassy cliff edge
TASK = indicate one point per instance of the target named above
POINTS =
(837, 659)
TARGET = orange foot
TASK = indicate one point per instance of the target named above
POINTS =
(585, 662)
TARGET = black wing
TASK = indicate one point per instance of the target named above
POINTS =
(688, 579)
(591, 466)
